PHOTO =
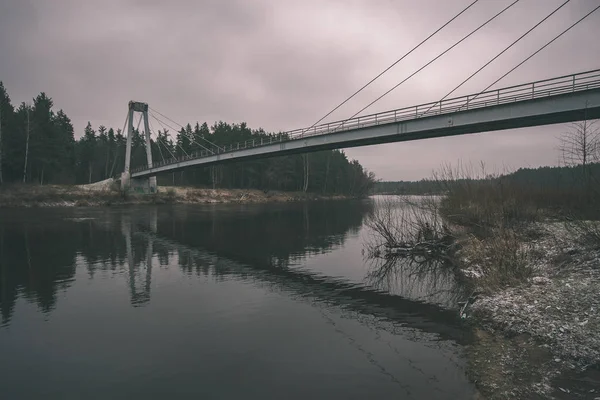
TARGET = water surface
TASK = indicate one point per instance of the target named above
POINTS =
(220, 302)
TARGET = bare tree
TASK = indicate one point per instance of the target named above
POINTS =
(580, 146)
(402, 227)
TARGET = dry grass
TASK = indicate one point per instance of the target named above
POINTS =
(586, 232)
(482, 201)
(53, 195)
(494, 215)
(107, 195)
(481, 223)
(502, 259)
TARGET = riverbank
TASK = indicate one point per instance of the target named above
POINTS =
(533, 280)
(540, 338)
(24, 196)
(532, 254)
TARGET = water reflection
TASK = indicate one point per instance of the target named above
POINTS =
(256, 243)
(217, 293)
(409, 251)
(41, 249)
(139, 281)
(331, 291)
(431, 281)
(270, 234)
(35, 263)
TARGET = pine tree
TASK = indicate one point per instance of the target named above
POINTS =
(88, 150)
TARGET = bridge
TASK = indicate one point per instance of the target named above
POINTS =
(568, 98)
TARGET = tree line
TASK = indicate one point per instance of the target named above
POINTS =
(579, 175)
(38, 145)
(561, 178)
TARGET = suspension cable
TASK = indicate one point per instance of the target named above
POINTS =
(192, 138)
(125, 124)
(392, 65)
(540, 49)
(178, 124)
(157, 139)
(162, 123)
(167, 147)
(498, 55)
(122, 133)
(182, 132)
(169, 150)
(433, 60)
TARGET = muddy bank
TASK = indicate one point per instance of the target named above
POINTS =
(105, 195)
(541, 339)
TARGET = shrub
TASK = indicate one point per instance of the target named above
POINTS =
(586, 232)
(503, 258)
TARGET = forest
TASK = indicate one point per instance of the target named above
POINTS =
(567, 178)
(39, 145)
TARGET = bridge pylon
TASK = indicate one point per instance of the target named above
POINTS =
(144, 184)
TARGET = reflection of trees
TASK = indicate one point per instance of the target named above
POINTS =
(315, 287)
(427, 280)
(252, 243)
(7, 299)
(268, 234)
(37, 259)
(40, 251)
(411, 251)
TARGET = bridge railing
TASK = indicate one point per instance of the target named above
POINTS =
(528, 91)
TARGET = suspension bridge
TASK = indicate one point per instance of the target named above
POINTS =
(562, 99)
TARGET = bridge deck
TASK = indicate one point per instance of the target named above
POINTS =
(563, 99)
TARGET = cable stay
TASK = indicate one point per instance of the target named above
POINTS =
(498, 55)
(185, 134)
(182, 127)
(189, 137)
(392, 65)
(157, 140)
(163, 126)
(539, 50)
(432, 61)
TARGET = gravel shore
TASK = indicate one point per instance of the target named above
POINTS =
(555, 312)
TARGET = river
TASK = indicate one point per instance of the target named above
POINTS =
(263, 301)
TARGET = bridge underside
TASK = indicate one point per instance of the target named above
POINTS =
(562, 108)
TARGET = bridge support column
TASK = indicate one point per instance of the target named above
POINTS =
(126, 175)
(147, 185)
(125, 181)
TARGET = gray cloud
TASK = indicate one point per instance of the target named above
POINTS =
(282, 65)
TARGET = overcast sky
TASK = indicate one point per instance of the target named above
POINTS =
(283, 64)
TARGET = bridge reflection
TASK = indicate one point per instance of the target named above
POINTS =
(44, 252)
(260, 244)
(139, 283)
(277, 274)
